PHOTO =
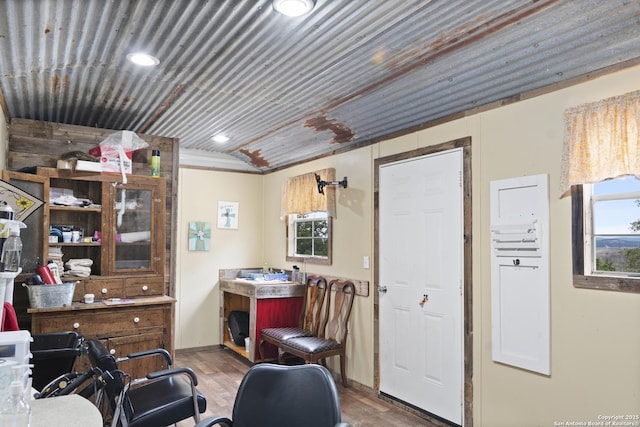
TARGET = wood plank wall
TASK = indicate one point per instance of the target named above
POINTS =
(35, 143)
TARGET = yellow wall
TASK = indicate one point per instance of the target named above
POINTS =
(197, 310)
(352, 240)
(595, 349)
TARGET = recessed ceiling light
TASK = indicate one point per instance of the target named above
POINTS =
(220, 138)
(143, 59)
(293, 7)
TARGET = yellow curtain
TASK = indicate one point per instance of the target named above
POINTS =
(601, 141)
(300, 194)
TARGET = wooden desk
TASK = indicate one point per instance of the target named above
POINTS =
(64, 411)
(269, 304)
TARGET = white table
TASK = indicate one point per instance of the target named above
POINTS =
(64, 411)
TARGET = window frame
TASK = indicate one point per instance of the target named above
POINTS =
(311, 259)
(580, 279)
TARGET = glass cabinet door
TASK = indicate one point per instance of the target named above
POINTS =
(32, 237)
(133, 229)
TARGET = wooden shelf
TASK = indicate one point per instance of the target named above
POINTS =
(73, 208)
(76, 244)
(143, 243)
(236, 348)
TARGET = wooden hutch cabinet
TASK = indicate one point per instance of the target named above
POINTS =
(121, 228)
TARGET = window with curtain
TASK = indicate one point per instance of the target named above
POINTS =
(600, 169)
(308, 215)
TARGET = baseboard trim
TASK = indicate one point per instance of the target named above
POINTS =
(196, 349)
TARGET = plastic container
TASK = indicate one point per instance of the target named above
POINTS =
(55, 271)
(48, 296)
(276, 276)
(12, 252)
(46, 275)
(6, 212)
(155, 163)
(15, 353)
(15, 411)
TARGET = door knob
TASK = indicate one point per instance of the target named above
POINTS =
(382, 289)
(424, 299)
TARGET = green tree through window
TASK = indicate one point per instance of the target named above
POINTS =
(309, 238)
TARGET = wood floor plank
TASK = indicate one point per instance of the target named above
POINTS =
(220, 372)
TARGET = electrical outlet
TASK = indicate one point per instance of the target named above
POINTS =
(365, 262)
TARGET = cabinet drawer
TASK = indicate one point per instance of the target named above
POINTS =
(104, 289)
(138, 367)
(103, 323)
(143, 286)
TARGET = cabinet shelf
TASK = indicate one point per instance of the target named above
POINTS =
(73, 208)
(135, 210)
(76, 244)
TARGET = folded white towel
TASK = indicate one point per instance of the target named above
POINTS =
(79, 262)
(73, 273)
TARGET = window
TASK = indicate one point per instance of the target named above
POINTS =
(309, 238)
(606, 235)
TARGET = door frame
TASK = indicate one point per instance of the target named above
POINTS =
(465, 144)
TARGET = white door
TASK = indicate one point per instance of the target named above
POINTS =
(421, 268)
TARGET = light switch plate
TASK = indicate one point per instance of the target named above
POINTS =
(365, 262)
(362, 288)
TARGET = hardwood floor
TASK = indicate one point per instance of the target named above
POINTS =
(220, 371)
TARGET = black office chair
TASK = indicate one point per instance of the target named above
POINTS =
(284, 396)
(54, 354)
(162, 398)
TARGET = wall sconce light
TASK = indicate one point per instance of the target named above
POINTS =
(322, 184)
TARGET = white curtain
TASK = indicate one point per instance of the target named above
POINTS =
(601, 141)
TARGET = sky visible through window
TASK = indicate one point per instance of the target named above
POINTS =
(616, 216)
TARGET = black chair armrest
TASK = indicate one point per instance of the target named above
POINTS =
(174, 371)
(211, 421)
(153, 352)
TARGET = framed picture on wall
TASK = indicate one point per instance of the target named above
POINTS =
(228, 215)
(21, 203)
(199, 236)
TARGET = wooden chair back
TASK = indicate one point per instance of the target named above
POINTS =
(311, 314)
(338, 310)
(332, 336)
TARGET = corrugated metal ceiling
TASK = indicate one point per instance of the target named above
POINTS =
(289, 89)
